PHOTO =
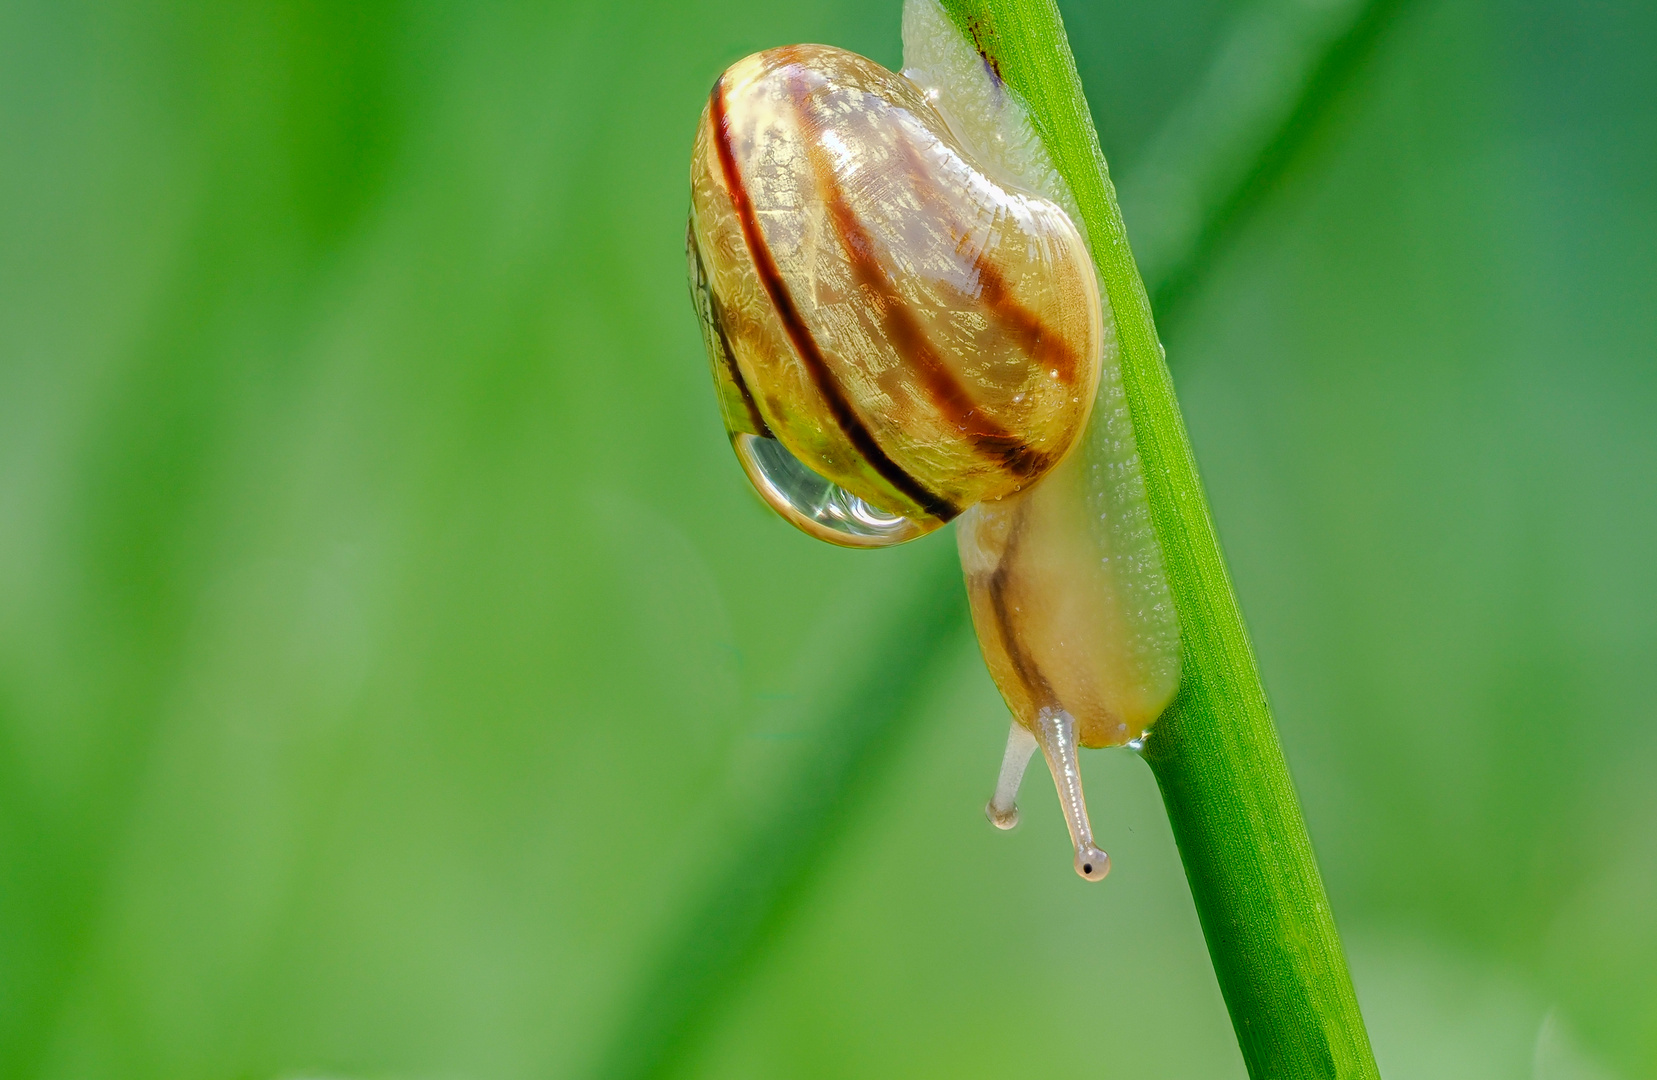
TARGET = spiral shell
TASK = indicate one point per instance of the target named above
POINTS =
(896, 334)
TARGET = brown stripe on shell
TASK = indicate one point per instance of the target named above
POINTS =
(903, 329)
(715, 317)
(1049, 349)
(798, 333)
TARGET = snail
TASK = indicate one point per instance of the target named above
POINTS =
(905, 328)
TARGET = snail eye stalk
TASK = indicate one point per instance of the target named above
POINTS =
(1056, 731)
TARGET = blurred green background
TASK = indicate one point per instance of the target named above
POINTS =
(395, 668)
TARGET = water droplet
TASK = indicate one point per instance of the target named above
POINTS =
(814, 504)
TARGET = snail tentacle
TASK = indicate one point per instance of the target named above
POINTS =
(1056, 731)
(1002, 809)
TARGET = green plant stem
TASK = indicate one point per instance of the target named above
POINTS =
(1215, 754)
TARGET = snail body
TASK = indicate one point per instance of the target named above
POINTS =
(905, 327)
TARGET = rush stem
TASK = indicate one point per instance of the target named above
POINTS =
(1215, 753)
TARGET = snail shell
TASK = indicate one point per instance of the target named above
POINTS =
(896, 334)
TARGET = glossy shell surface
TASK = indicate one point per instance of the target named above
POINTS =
(909, 328)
